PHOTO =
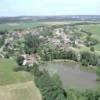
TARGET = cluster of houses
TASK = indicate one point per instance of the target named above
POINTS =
(55, 40)
(29, 59)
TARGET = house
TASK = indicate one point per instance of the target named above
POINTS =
(79, 43)
(58, 31)
(29, 59)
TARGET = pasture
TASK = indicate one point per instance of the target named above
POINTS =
(20, 91)
(9, 76)
(18, 25)
(16, 85)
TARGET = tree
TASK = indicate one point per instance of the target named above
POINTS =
(56, 79)
(46, 52)
(70, 55)
(92, 49)
(50, 89)
(89, 58)
(35, 70)
(84, 63)
(90, 41)
(2, 32)
(32, 43)
(20, 60)
(2, 40)
(98, 73)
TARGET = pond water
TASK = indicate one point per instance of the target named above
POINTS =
(72, 75)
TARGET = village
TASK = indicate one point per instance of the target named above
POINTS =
(65, 37)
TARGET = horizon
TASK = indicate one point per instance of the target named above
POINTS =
(49, 7)
(45, 15)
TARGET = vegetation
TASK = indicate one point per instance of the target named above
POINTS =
(20, 91)
(7, 74)
(48, 52)
(94, 29)
(90, 41)
(88, 58)
(98, 74)
(49, 88)
(16, 85)
(20, 60)
(74, 94)
(11, 26)
(32, 43)
(2, 40)
(92, 49)
(48, 46)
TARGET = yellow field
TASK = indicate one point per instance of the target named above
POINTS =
(20, 91)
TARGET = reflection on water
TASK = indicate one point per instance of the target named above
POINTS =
(71, 75)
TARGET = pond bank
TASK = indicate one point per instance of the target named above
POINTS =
(71, 73)
(89, 68)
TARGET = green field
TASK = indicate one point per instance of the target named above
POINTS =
(7, 74)
(18, 25)
(97, 47)
(16, 85)
(94, 29)
(31, 24)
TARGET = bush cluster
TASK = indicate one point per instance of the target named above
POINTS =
(49, 89)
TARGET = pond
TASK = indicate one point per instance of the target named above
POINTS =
(72, 75)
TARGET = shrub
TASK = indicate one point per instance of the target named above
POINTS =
(2, 40)
(20, 60)
(50, 90)
(48, 52)
(92, 49)
(90, 41)
(56, 79)
(31, 43)
(98, 73)
(84, 62)
(89, 58)
(71, 55)
(35, 70)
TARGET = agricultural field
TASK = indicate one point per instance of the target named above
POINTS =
(95, 30)
(16, 85)
(7, 74)
(31, 24)
(18, 25)
(60, 22)
(20, 91)
(28, 25)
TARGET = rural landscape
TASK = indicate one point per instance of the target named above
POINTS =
(50, 58)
